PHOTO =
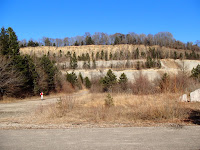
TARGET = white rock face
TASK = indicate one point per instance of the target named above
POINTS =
(183, 98)
(195, 96)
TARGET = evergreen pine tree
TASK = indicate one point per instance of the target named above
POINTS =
(76, 44)
(89, 41)
(8, 42)
(110, 57)
(73, 61)
(123, 81)
(106, 56)
(109, 80)
(51, 70)
(196, 72)
(87, 83)
(102, 55)
(4, 42)
(72, 78)
(123, 78)
(97, 56)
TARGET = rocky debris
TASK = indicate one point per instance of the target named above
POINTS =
(195, 96)
(184, 98)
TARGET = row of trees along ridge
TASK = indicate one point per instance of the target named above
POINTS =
(99, 38)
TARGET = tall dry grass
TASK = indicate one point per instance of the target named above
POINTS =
(128, 108)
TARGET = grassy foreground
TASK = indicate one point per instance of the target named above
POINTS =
(128, 109)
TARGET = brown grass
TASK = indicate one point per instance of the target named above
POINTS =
(128, 109)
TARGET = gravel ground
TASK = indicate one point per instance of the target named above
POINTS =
(144, 138)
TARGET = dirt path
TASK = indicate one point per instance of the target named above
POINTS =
(21, 108)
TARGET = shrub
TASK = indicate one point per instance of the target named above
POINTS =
(97, 56)
(176, 83)
(102, 55)
(106, 56)
(143, 55)
(138, 65)
(67, 87)
(165, 83)
(142, 85)
(87, 83)
(96, 86)
(196, 72)
(110, 56)
(137, 53)
(94, 64)
(73, 61)
(84, 65)
(123, 78)
(109, 80)
(123, 81)
(181, 56)
(175, 55)
(109, 101)
(72, 78)
(81, 77)
(149, 62)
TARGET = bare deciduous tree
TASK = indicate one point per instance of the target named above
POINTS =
(66, 41)
(10, 79)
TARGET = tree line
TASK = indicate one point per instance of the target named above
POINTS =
(99, 38)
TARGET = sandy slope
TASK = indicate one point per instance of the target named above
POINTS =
(41, 50)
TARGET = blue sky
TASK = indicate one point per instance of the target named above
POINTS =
(67, 18)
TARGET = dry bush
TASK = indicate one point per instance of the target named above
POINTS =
(183, 83)
(126, 88)
(64, 86)
(192, 85)
(177, 83)
(67, 87)
(142, 85)
(60, 109)
(96, 87)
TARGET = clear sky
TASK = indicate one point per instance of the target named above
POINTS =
(67, 18)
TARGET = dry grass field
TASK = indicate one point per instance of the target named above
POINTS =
(135, 110)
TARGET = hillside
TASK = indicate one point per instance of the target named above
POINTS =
(126, 62)
(169, 66)
(120, 64)
(41, 50)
